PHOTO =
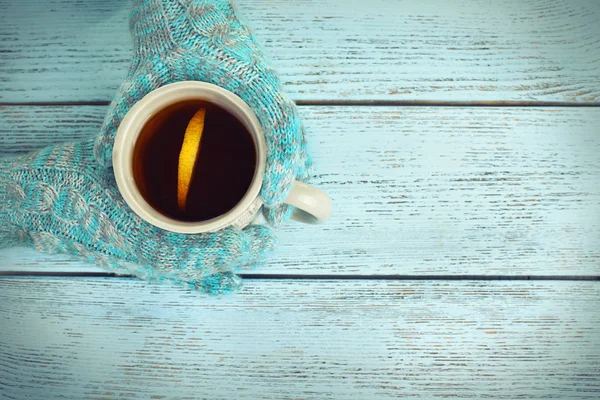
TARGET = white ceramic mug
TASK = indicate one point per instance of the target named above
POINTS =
(312, 205)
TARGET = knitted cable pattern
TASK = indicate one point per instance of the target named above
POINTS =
(205, 40)
(59, 200)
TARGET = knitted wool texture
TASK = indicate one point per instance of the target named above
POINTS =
(59, 200)
(64, 199)
(204, 40)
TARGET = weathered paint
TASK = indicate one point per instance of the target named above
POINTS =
(450, 50)
(416, 190)
(122, 338)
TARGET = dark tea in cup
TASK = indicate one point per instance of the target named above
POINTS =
(223, 170)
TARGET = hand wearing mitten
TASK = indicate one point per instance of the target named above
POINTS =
(204, 40)
(59, 200)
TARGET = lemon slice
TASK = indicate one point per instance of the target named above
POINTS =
(188, 156)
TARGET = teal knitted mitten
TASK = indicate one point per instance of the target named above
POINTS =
(59, 200)
(204, 40)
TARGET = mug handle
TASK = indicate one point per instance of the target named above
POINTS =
(312, 205)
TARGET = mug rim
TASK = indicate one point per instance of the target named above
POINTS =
(139, 115)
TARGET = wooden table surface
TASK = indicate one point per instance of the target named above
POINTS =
(460, 142)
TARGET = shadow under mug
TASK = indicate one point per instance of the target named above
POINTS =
(311, 204)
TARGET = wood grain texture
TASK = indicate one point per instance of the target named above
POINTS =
(117, 338)
(416, 190)
(24, 129)
(441, 50)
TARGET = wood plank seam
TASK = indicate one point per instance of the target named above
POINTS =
(357, 103)
(330, 277)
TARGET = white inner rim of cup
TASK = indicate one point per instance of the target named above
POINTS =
(139, 115)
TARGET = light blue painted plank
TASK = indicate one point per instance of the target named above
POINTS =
(417, 190)
(440, 50)
(27, 128)
(115, 338)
